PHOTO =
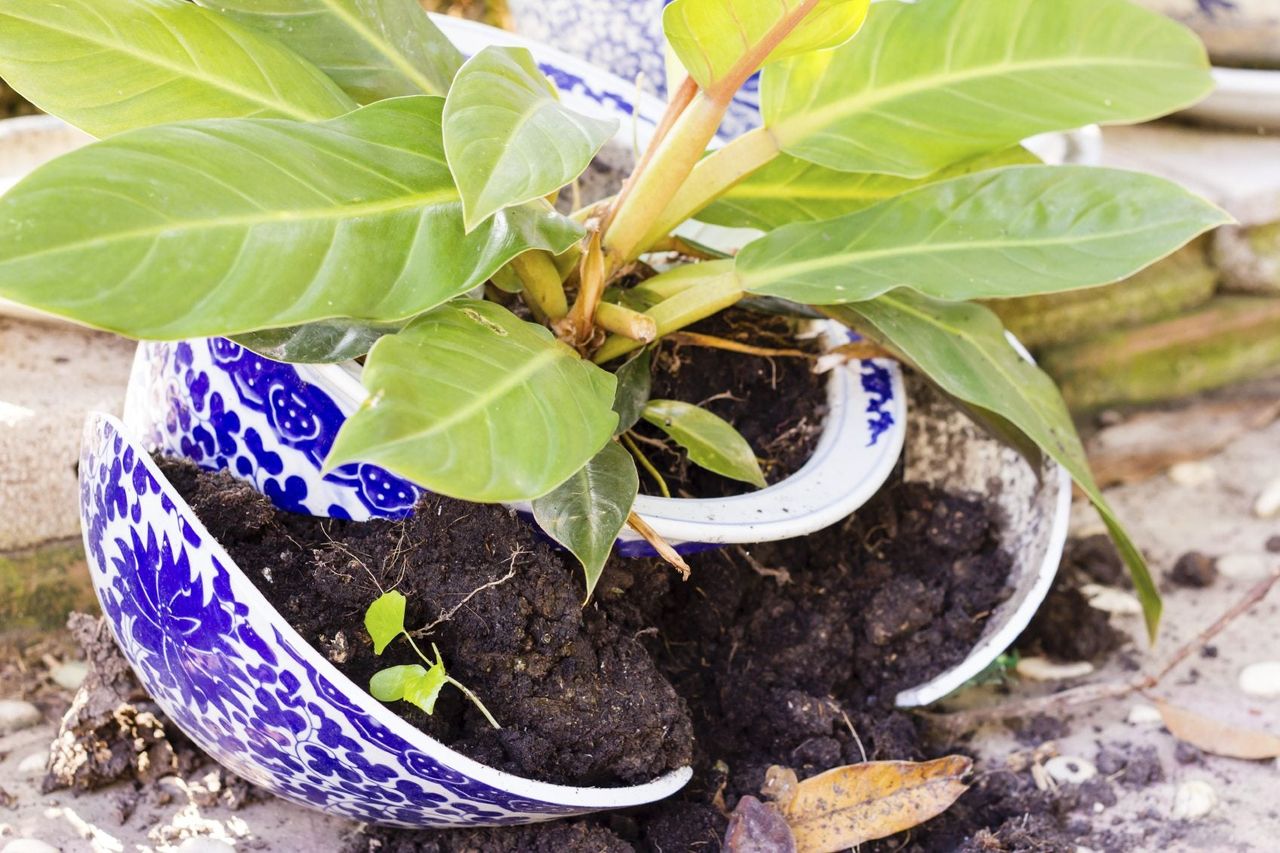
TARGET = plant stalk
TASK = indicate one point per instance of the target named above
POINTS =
(715, 175)
(655, 187)
(621, 320)
(718, 289)
(542, 287)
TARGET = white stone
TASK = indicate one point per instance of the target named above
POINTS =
(1111, 600)
(1244, 567)
(33, 765)
(70, 675)
(1194, 800)
(1144, 715)
(16, 716)
(1268, 503)
(1043, 669)
(1067, 769)
(28, 845)
(205, 845)
(1261, 679)
(1192, 473)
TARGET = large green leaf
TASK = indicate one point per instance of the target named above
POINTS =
(1008, 232)
(374, 49)
(709, 439)
(963, 349)
(108, 66)
(587, 512)
(323, 342)
(508, 137)
(721, 41)
(470, 401)
(793, 190)
(929, 84)
(227, 227)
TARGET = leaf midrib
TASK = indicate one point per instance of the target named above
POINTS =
(807, 123)
(352, 211)
(384, 48)
(192, 72)
(773, 275)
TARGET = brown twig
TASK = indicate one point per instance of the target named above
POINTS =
(662, 546)
(964, 721)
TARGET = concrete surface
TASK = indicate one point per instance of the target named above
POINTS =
(53, 375)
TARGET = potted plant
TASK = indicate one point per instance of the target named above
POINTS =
(242, 191)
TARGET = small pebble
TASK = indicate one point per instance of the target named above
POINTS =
(1144, 715)
(205, 845)
(1245, 566)
(1043, 669)
(1069, 770)
(1273, 545)
(33, 765)
(70, 675)
(28, 845)
(1185, 753)
(1195, 570)
(1261, 679)
(1268, 503)
(1111, 600)
(1194, 800)
(1192, 473)
(16, 716)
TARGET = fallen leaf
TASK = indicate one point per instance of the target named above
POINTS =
(757, 827)
(1218, 736)
(844, 807)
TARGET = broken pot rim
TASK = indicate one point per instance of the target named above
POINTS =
(571, 796)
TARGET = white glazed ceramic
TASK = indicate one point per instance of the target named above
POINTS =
(241, 683)
(272, 423)
(1244, 98)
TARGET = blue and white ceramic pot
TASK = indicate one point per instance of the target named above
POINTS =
(623, 37)
(232, 673)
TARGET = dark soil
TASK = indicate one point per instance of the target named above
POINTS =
(580, 700)
(778, 404)
(12, 104)
(1066, 627)
(789, 654)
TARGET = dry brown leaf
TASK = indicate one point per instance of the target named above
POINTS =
(846, 806)
(1217, 736)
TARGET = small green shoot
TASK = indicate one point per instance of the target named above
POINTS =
(417, 685)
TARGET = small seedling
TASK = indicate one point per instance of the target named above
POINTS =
(414, 684)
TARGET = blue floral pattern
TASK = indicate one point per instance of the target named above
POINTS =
(235, 677)
(623, 37)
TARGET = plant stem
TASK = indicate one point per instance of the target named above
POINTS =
(715, 175)
(475, 700)
(542, 287)
(577, 328)
(654, 188)
(645, 463)
(621, 320)
(716, 289)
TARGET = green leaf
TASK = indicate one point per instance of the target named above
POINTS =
(929, 84)
(724, 41)
(635, 382)
(108, 66)
(792, 190)
(1008, 232)
(325, 342)
(235, 226)
(508, 138)
(423, 690)
(471, 402)
(384, 620)
(390, 684)
(963, 349)
(709, 439)
(373, 49)
(587, 512)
